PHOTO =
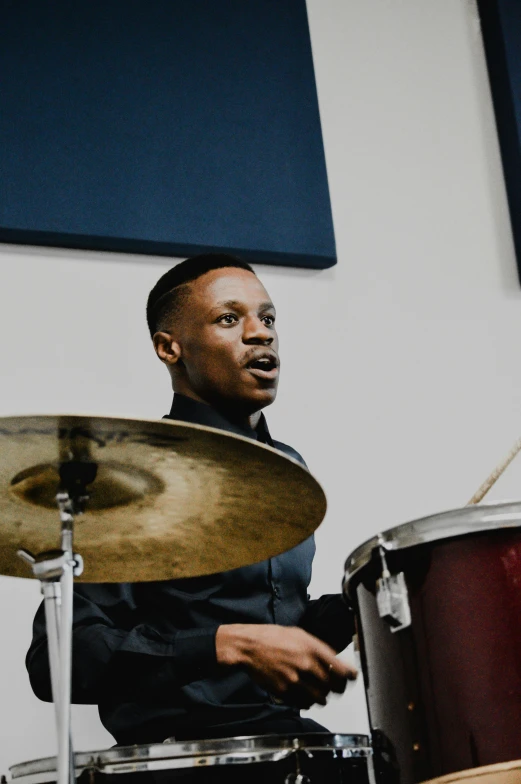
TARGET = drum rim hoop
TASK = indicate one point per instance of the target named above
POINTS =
(174, 750)
(437, 527)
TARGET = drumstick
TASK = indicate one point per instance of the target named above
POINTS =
(496, 473)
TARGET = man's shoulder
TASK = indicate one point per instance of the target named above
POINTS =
(288, 450)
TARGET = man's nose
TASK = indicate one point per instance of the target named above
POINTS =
(257, 333)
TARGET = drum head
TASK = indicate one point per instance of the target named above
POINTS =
(503, 773)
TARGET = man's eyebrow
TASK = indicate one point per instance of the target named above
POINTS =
(267, 306)
(227, 303)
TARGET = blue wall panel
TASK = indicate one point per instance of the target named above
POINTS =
(163, 126)
(501, 25)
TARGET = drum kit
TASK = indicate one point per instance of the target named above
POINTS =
(437, 601)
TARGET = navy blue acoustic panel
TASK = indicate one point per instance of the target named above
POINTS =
(163, 126)
(501, 26)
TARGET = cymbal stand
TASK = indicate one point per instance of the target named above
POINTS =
(56, 569)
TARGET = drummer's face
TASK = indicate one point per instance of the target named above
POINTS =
(226, 323)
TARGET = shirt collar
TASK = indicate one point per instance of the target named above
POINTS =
(186, 409)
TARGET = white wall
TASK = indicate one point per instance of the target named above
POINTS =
(401, 374)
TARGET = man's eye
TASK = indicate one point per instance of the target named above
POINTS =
(269, 320)
(227, 318)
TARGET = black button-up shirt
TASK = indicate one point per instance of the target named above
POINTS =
(145, 652)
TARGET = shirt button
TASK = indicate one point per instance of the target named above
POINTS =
(276, 591)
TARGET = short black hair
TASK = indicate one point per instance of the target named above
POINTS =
(164, 299)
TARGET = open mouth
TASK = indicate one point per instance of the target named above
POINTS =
(264, 367)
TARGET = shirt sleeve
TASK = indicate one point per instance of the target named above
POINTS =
(109, 642)
(330, 619)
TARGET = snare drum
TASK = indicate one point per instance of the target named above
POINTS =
(318, 758)
(438, 609)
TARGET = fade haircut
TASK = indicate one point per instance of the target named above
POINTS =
(171, 290)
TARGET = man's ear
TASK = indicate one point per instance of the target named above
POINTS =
(167, 348)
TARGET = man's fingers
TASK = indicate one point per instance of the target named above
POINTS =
(339, 673)
(324, 672)
(333, 664)
(337, 683)
(343, 669)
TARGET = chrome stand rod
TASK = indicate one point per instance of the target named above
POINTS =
(52, 602)
(65, 751)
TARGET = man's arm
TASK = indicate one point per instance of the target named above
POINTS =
(107, 647)
(109, 642)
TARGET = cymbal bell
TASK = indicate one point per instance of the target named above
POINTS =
(166, 499)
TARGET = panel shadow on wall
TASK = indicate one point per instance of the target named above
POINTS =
(501, 26)
(163, 126)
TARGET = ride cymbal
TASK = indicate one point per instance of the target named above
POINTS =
(166, 499)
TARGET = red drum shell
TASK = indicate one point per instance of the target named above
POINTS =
(444, 694)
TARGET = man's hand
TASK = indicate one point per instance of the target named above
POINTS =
(285, 660)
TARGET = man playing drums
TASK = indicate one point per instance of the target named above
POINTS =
(236, 653)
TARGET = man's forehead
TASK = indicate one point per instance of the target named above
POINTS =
(227, 285)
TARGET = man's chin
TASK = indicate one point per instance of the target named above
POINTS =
(242, 400)
(251, 401)
(265, 399)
